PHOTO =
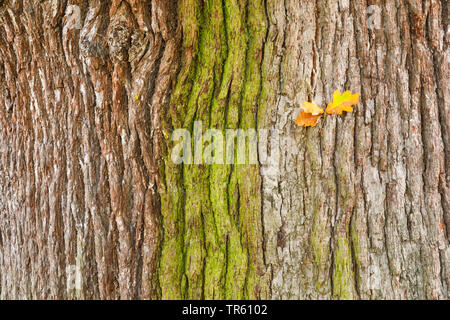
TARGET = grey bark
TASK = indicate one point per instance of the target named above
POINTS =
(360, 207)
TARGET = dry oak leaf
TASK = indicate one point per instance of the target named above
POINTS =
(307, 120)
(311, 107)
(310, 115)
(342, 102)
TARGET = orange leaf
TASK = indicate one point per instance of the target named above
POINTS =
(312, 108)
(342, 102)
(307, 119)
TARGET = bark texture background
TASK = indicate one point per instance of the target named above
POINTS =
(91, 91)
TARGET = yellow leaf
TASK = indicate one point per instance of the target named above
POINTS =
(307, 119)
(342, 102)
(312, 108)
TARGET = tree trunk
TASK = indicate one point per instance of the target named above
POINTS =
(92, 205)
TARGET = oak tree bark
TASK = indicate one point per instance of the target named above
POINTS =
(354, 208)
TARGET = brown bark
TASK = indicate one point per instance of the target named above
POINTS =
(91, 91)
(80, 145)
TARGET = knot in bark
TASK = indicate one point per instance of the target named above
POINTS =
(119, 41)
(91, 48)
(139, 44)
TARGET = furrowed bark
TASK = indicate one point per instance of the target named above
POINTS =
(359, 208)
(81, 144)
(92, 205)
